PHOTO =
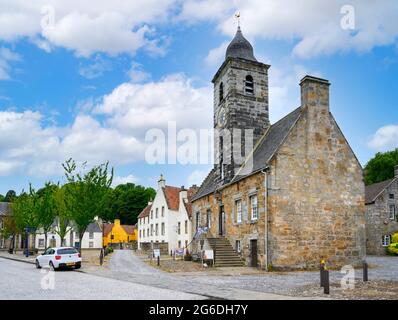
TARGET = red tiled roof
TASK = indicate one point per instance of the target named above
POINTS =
(128, 228)
(145, 213)
(107, 228)
(172, 195)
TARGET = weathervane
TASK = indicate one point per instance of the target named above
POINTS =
(237, 16)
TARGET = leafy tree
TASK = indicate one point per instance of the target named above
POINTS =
(87, 194)
(24, 212)
(381, 167)
(45, 207)
(127, 201)
(10, 196)
(63, 219)
(10, 230)
(2, 198)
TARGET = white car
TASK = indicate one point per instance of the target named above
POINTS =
(56, 258)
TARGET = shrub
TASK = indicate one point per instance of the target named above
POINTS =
(392, 249)
(109, 250)
(394, 238)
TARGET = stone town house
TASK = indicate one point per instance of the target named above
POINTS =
(166, 222)
(299, 196)
(5, 213)
(381, 214)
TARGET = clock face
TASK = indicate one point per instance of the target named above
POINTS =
(221, 117)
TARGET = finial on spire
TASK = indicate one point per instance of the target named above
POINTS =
(237, 16)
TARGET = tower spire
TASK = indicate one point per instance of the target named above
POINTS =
(237, 17)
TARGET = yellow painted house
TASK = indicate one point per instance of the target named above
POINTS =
(118, 233)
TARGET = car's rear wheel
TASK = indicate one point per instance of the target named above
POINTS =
(37, 264)
(77, 266)
(52, 266)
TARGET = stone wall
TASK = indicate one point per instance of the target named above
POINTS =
(378, 222)
(316, 197)
(245, 231)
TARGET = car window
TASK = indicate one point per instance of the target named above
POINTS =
(67, 251)
(47, 252)
(52, 251)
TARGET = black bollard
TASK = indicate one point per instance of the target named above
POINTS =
(321, 274)
(365, 271)
(326, 282)
(158, 261)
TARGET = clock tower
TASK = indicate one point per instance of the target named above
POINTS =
(240, 106)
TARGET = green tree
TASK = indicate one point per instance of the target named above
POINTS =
(63, 219)
(381, 167)
(10, 196)
(127, 201)
(2, 198)
(24, 212)
(45, 207)
(87, 193)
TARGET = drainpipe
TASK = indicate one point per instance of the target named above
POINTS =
(266, 251)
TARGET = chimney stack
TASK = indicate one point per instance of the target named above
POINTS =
(396, 171)
(161, 182)
(314, 94)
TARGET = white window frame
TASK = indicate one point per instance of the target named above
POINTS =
(238, 210)
(386, 240)
(254, 209)
(392, 211)
(238, 246)
(163, 229)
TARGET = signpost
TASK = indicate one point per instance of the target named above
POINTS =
(156, 253)
(208, 255)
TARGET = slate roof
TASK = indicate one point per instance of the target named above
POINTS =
(263, 152)
(5, 209)
(94, 227)
(374, 190)
(240, 48)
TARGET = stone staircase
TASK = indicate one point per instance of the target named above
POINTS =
(224, 254)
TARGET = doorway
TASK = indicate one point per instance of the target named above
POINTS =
(253, 253)
(221, 221)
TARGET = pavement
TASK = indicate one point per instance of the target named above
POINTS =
(126, 266)
(226, 283)
(23, 281)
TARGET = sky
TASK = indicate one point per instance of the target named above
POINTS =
(89, 79)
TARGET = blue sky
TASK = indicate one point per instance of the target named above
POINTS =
(88, 80)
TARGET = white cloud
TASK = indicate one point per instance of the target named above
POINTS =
(314, 26)
(217, 55)
(95, 69)
(197, 177)
(36, 149)
(84, 27)
(6, 58)
(137, 73)
(123, 180)
(385, 138)
(134, 108)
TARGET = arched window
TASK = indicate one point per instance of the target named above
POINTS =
(249, 85)
(221, 91)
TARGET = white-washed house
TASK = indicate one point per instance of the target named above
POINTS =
(92, 238)
(167, 219)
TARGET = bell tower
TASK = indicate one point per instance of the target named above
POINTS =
(240, 103)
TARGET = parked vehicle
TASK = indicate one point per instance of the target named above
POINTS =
(56, 258)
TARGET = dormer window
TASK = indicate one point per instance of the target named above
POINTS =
(249, 85)
(221, 91)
